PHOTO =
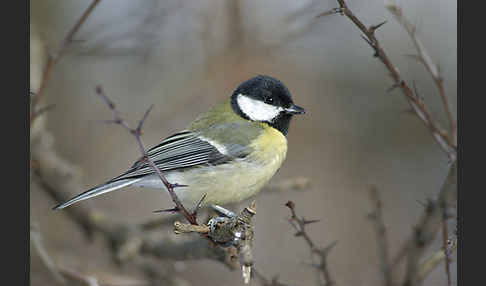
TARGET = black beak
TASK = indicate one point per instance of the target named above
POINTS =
(294, 109)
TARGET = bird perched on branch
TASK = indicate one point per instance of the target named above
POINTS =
(228, 153)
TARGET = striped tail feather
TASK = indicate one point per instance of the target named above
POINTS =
(98, 190)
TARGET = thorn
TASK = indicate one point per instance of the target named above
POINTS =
(198, 206)
(375, 27)
(290, 205)
(172, 210)
(176, 185)
(140, 123)
(324, 252)
(299, 233)
(391, 88)
(310, 221)
(331, 12)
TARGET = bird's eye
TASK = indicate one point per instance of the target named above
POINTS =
(269, 100)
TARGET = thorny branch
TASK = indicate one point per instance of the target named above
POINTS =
(54, 59)
(445, 250)
(445, 140)
(38, 245)
(435, 259)
(424, 58)
(426, 230)
(137, 132)
(299, 225)
(429, 64)
(381, 236)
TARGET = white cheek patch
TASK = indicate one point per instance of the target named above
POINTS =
(257, 110)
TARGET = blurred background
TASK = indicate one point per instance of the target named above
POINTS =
(186, 56)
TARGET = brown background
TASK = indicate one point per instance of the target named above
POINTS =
(185, 56)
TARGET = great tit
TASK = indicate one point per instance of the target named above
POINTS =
(228, 153)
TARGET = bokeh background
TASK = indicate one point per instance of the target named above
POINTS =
(186, 56)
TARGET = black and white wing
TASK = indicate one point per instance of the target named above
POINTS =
(181, 150)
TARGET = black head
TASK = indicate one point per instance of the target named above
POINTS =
(265, 99)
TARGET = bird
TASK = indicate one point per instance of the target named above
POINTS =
(226, 154)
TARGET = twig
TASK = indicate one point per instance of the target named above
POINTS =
(427, 61)
(427, 228)
(54, 59)
(187, 228)
(299, 225)
(380, 229)
(434, 260)
(446, 142)
(191, 218)
(445, 249)
(36, 239)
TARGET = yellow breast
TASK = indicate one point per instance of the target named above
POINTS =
(270, 147)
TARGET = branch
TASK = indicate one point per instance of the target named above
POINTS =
(446, 142)
(299, 225)
(190, 217)
(54, 59)
(229, 229)
(380, 229)
(36, 240)
(435, 259)
(445, 250)
(427, 61)
(425, 231)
